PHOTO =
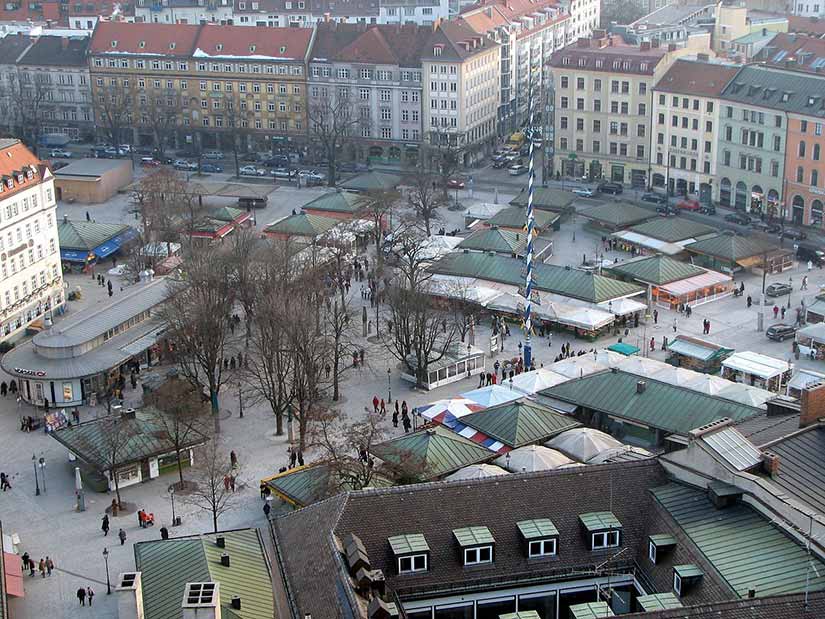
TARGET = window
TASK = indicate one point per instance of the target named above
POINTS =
(412, 564)
(677, 583)
(606, 539)
(542, 548)
(564, 82)
(803, 126)
(801, 152)
(477, 556)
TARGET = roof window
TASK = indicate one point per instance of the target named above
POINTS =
(477, 545)
(142, 44)
(786, 96)
(685, 577)
(591, 610)
(659, 544)
(411, 552)
(540, 537)
(172, 45)
(114, 43)
(283, 49)
(252, 49)
(219, 46)
(603, 528)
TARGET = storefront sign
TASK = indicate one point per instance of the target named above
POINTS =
(25, 372)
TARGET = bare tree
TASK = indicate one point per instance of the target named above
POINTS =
(246, 271)
(168, 208)
(332, 123)
(377, 207)
(425, 196)
(161, 117)
(116, 433)
(210, 474)
(26, 101)
(113, 113)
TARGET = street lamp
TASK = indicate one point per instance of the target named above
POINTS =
(172, 496)
(42, 464)
(790, 284)
(36, 481)
(108, 582)
(469, 348)
(389, 386)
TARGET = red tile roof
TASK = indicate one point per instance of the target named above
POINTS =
(144, 38)
(489, 14)
(806, 25)
(17, 160)
(58, 13)
(615, 56)
(223, 41)
(376, 44)
(796, 52)
(703, 79)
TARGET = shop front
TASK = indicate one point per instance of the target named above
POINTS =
(757, 370)
(693, 291)
(458, 363)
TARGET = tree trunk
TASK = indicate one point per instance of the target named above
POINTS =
(180, 466)
(331, 168)
(213, 398)
(279, 421)
(336, 364)
(117, 487)
(214, 521)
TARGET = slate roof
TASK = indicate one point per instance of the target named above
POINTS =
(13, 46)
(49, 51)
(313, 568)
(583, 58)
(495, 240)
(744, 547)
(371, 181)
(699, 79)
(303, 224)
(656, 269)
(674, 409)
(85, 235)
(547, 277)
(515, 217)
(802, 466)
(520, 423)
(731, 247)
(762, 429)
(141, 437)
(166, 567)
(673, 229)
(547, 199)
(338, 202)
(432, 452)
(778, 89)
(617, 214)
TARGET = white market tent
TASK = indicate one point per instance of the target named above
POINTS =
(493, 395)
(536, 380)
(710, 385)
(582, 444)
(812, 333)
(576, 367)
(476, 471)
(708, 279)
(648, 242)
(532, 458)
(437, 246)
(756, 364)
(623, 307)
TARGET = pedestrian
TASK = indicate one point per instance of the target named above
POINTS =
(141, 517)
(655, 317)
(226, 483)
(31, 566)
(300, 459)
(775, 311)
(750, 301)
(233, 459)
(105, 525)
(327, 369)
(232, 482)
(89, 595)
(404, 409)
(263, 487)
(805, 282)
(293, 457)
(407, 424)
(496, 366)
(481, 379)
(49, 565)
(164, 533)
(675, 325)
(741, 287)
(708, 331)
(88, 217)
(3, 389)
(122, 536)
(267, 509)
(383, 407)
(4, 482)
(652, 343)
(361, 355)
(810, 266)
(41, 567)
(81, 596)
(375, 404)
(783, 312)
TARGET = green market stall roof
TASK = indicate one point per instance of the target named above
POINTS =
(657, 270)
(338, 202)
(520, 423)
(546, 199)
(371, 181)
(617, 214)
(496, 240)
(309, 484)
(302, 224)
(516, 217)
(732, 247)
(673, 229)
(85, 240)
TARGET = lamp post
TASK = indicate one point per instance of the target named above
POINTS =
(469, 348)
(172, 497)
(790, 292)
(108, 582)
(389, 386)
(36, 480)
(42, 464)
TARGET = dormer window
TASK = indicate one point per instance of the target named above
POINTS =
(142, 44)
(658, 545)
(219, 47)
(114, 43)
(685, 577)
(252, 49)
(283, 49)
(603, 530)
(412, 553)
(477, 545)
(540, 537)
(172, 45)
(436, 51)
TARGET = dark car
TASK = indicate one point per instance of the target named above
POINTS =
(708, 209)
(500, 163)
(738, 218)
(793, 233)
(654, 198)
(780, 332)
(665, 210)
(611, 188)
(807, 251)
(778, 290)
(763, 226)
(211, 167)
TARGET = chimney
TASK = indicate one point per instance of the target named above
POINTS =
(127, 413)
(201, 600)
(225, 559)
(770, 463)
(764, 32)
(236, 602)
(220, 542)
(129, 596)
(65, 218)
(64, 42)
(641, 386)
(644, 46)
(812, 404)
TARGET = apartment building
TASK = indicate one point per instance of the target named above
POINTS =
(603, 100)
(461, 73)
(203, 85)
(528, 33)
(686, 109)
(795, 52)
(184, 11)
(31, 279)
(378, 70)
(805, 162)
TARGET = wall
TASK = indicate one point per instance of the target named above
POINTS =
(95, 190)
(804, 199)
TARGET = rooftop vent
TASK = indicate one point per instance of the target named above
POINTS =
(201, 594)
(236, 602)
(128, 413)
(225, 560)
(220, 542)
(641, 386)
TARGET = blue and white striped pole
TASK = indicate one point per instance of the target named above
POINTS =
(528, 283)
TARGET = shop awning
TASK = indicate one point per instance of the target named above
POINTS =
(623, 307)
(815, 331)
(817, 307)
(755, 364)
(648, 242)
(73, 255)
(142, 343)
(13, 565)
(113, 245)
(698, 282)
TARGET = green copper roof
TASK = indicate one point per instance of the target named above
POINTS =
(731, 247)
(600, 521)
(522, 614)
(432, 452)
(226, 214)
(408, 544)
(656, 270)
(166, 567)
(515, 217)
(662, 539)
(303, 224)
(591, 610)
(519, 423)
(371, 181)
(546, 199)
(617, 214)
(338, 202)
(658, 601)
(743, 546)
(312, 483)
(663, 406)
(673, 229)
(688, 570)
(85, 235)
(473, 536)
(495, 239)
(546, 277)
(539, 528)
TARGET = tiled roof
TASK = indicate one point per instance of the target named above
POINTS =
(743, 546)
(50, 51)
(496, 240)
(389, 44)
(731, 247)
(546, 277)
(520, 423)
(778, 607)
(338, 202)
(166, 566)
(764, 429)
(457, 42)
(314, 571)
(777, 89)
(802, 466)
(141, 437)
(432, 452)
(794, 52)
(221, 41)
(546, 198)
(700, 79)
(302, 224)
(85, 235)
(617, 214)
(16, 160)
(656, 269)
(806, 25)
(660, 405)
(488, 15)
(673, 229)
(309, 484)
(614, 56)
(144, 38)
(515, 217)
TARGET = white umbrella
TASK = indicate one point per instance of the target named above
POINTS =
(476, 471)
(745, 394)
(617, 452)
(532, 458)
(493, 395)
(708, 384)
(676, 376)
(572, 465)
(536, 380)
(574, 367)
(583, 443)
(643, 366)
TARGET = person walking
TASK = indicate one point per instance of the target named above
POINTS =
(675, 324)
(164, 533)
(300, 459)
(81, 596)
(49, 565)
(652, 344)
(4, 482)
(41, 567)
(655, 317)
(810, 266)
(750, 301)
(805, 282)
(267, 509)
(233, 459)
(122, 536)
(383, 407)
(89, 595)
(375, 404)
(775, 311)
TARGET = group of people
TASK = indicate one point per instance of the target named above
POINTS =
(406, 422)
(45, 566)
(567, 352)
(84, 595)
(296, 458)
(10, 388)
(235, 362)
(145, 519)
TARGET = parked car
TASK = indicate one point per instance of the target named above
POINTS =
(500, 163)
(282, 173)
(213, 154)
(211, 167)
(311, 177)
(738, 218)
(182, 164)
(60, 154)
(793, 233)
(111, 151)
(688, 204)
(611, 188)
(251, 170)
(517, 170)
(708, 209)
(808, 251)
(511, 156)
(149, 162)
(584, 192)
(778, 290)
(665, 210)
(780, 332)
(766, 227)
(125, 148)
(455, 183)
(654, 198)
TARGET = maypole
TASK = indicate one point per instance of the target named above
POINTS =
(529, 225)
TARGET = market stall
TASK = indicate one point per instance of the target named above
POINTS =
(693, 291)
(695, 354)
(811, 341)
(758, 370)
(458, 363)
(801, 379)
